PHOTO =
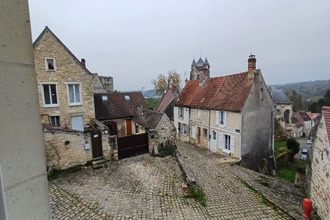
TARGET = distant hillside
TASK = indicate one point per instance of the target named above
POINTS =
(151, 93)
(308, 90)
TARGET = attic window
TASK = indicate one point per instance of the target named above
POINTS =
(104, 98)
(127, 98)
(50, 64)
(202, 100)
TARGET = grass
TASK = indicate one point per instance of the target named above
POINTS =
(197, 193)
(152, 103)
(287, 172)
(279, 144)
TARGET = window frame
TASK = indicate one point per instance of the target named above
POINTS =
(68, 84)
(46, 63)
(221, 118)
(58, 124)
(51, 105)
(181, 112)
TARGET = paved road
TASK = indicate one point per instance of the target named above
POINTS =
(146, 187)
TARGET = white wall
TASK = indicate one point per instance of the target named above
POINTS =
(22, 155)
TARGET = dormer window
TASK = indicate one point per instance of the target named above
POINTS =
(104, 98)
(127, 98)
(50, 64)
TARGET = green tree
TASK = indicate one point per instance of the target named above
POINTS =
(166, 82)
(293, 147)
(298, 104)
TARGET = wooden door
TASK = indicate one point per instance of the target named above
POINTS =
(96, 137)
(128, 127)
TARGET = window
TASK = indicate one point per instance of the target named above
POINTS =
(204, 132)
(50, 95)
(74, 94)
(185, 129)
(214, 133)
(127, 98)
(136, 128)
(226, 143)
(193, 131)
(50, 64)
(104, 98)
(181, 113)
(55, 120)
(221, 117)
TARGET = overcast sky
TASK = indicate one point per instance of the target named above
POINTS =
(135, 40)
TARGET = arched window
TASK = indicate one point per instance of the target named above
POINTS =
(287, 116)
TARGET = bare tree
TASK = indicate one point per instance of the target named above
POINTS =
(166, 82)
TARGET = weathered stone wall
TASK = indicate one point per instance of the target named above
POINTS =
(62, 155)
(320, 180)
(67, 70)
(200, 119)
(97, 85)
(107, 82)
(165, 133)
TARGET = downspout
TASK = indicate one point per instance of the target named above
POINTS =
(209, 137)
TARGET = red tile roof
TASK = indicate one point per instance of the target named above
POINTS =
(225, 93)
(297, 120)
(206, 93)
(233, 93)
(326, 115)
(304, 116)
(188, 93)
(166, 100)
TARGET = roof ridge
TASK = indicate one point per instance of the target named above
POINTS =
(60, 42)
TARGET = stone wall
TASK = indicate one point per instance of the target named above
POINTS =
(107, 82)
(165, 133)
(67, 70)
(67, 149)
(320, 180)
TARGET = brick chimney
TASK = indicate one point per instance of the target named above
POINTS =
(252, 63)
(83, 62)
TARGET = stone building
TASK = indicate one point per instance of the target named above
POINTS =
(320, 179)
(66, 99)
(64, 84)
(23, 180)
(159, 127)
(200, 70)
(231, 114)
(283, 112)
(107, 82)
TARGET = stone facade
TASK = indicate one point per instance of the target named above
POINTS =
(107, 82)
(283, 113)
(320, 179)
(66, 71)
(200, 70)
(65, 149)
(165, 133)
(97, 84)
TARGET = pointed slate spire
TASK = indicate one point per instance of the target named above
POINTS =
(193, 63)
(200, 62)
(206, 61)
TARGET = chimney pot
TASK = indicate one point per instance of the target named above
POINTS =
(83, 62)
(252, 63)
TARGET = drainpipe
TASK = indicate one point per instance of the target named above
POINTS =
(3, 210)
(209, 138)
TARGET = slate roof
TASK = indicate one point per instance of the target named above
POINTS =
(224, 93)
(148, 118)
(279, 97)
(117, 106)
(326, 115)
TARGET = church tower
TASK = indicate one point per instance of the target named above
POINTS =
(200, 70)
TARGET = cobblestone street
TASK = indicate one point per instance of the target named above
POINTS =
(146, 187)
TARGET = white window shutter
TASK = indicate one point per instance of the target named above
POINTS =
(217, 118)
(224, 119)
(232, 144)
(221, 139)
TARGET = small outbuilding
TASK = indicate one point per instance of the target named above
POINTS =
(161, 130)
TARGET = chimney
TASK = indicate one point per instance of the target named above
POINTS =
(251, 63)
(174, 87)
(83, 62)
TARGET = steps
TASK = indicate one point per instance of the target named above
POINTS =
(98, 163)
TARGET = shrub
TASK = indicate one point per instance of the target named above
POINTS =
(166, 150)
(197, 193)
(293, 147)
